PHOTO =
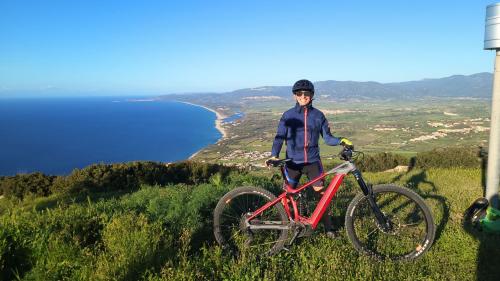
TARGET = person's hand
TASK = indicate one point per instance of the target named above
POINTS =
(267, 162)
(346, 143)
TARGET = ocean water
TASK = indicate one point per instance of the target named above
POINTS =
(57, 135)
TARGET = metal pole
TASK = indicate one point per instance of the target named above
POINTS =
(493, 176)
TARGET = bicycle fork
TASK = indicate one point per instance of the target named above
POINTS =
(368, 192)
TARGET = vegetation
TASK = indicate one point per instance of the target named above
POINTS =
(381, 162)
(162, 231)
(20, 186)
(449, 157)
(109, 177)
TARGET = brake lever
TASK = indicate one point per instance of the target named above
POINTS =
(346, 154)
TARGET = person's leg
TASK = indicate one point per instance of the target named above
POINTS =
(293, 172)
(312, 171)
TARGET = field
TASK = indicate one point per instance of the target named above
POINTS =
(402, 126)
(165, 233)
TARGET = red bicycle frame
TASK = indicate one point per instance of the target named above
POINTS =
(286, 198)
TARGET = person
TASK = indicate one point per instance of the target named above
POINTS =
(300, 128)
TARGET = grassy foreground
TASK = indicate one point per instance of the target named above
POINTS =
(165, 233)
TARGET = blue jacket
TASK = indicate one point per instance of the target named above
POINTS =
(300, 128)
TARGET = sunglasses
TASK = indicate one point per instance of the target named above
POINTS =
(305, 93)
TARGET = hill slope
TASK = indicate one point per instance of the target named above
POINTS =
(165, 233)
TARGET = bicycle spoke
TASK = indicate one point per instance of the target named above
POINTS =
(232, 217)
(231, 230)
(409, 224)
(408, 229)
(370, 233)
(240, 210)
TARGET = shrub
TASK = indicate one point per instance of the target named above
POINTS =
(60, 261)
(111, 177)
(448, 157)
(22, 185)
(189, 172)
(381, 162)
(14, 255)
(101, 177)
(77, 225)
(129, 176)
(131, 246)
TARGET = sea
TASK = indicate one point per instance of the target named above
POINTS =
(56, 135)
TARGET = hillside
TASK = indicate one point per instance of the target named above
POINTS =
(165, 233)
(406, 117)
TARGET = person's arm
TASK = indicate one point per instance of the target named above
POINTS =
(326, 134)
(279, 138)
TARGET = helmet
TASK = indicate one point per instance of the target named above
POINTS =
(303, 85)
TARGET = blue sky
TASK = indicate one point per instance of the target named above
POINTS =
(150, 47)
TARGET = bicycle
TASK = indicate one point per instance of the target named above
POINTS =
(384, 221)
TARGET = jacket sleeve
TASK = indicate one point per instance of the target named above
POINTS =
(280, 137)
(326, 134)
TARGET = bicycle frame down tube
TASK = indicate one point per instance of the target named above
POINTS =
(322, 204)
(267, 205)
(289, 190)
(325, 200)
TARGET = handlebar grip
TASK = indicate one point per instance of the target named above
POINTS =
(277, 162)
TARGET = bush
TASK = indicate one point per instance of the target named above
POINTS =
(100, 177)
(1, 190)
(13, 255)
(381, 162)
(61, 261)
(22, 185)
(129, 176)
(111, 177)
(448, 157)
(132, 245)
(194, 172)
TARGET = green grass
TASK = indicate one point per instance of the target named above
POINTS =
(165, 233)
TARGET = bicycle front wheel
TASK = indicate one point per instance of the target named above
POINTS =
(411, 230)
(231, 230)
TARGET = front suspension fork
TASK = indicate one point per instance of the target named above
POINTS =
(368, 192)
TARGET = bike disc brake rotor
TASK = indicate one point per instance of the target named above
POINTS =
(394, 225)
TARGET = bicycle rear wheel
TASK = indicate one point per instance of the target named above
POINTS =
(412, 226)
(230, 215)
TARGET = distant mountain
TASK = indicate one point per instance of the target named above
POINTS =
(475, 85)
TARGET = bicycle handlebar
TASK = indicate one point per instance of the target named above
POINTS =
(346, 154)
(277, 162)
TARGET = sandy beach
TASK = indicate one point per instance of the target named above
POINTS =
(218, 124)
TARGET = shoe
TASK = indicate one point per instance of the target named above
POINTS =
(332, 234)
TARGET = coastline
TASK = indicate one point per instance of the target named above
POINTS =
(218, 124)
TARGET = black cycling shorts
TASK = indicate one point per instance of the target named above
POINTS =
(294, 171)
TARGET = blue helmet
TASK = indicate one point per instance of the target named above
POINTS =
(303, 85)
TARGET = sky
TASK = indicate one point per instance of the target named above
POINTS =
(161, 47)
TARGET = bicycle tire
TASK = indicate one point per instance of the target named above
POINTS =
(409, 215)
(230, 212)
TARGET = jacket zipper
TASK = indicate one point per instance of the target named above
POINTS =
(305, 135)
